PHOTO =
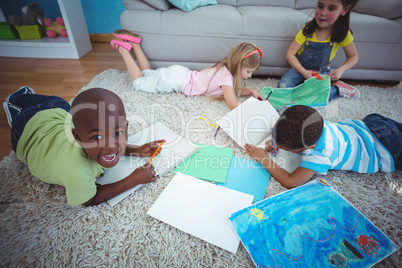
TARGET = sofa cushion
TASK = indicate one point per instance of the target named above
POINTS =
(205, 21)
(267, 3)
(371, 29)
(142, 5)
(390, 9)
(159, 4)
(228, 2)
(267, 22)
(190, 5)
(239, 3)
(303, 4)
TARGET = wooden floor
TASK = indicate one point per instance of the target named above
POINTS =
(60, 77)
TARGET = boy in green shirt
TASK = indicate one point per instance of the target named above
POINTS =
(71, 146)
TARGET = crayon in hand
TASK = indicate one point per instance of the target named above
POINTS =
(156, 151)
(269, 94)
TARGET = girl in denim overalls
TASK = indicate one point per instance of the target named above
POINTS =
(316, 44)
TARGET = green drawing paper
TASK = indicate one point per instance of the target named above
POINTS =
(210, 163)
(313, 92)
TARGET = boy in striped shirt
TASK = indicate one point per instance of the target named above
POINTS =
(362, 146)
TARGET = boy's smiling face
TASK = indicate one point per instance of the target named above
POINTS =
(101, 130)
(104, 139)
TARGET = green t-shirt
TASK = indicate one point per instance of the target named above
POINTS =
(49, 149)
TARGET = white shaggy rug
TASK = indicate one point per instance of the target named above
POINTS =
(38, 228)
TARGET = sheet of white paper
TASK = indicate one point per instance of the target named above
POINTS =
(287, 160)
(175, 150)
(122, 169)
(201, 209)
(250, 122)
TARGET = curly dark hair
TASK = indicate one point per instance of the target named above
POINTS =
(298, 127)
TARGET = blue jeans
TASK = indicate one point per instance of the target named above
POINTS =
(315, 56)
(293, 78)
(389, 133)
(30, 104)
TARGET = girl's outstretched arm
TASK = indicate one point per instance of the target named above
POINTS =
(230, 97)
(351, 59)
(251, 91)
(294, 62)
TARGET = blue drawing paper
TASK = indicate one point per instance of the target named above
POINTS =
(310, 226)
(248, 177)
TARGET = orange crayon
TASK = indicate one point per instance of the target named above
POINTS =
(156, 151)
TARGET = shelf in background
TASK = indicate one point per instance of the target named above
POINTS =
(76, 45)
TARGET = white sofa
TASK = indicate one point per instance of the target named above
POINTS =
(197, 39)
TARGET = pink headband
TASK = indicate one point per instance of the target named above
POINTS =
(253, 52)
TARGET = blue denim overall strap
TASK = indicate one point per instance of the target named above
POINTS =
(30, 105)
(316, 55)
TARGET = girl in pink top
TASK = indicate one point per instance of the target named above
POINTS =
(226, 79)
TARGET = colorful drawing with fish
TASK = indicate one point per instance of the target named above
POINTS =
(310, 226)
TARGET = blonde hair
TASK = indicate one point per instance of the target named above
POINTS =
(235, 62)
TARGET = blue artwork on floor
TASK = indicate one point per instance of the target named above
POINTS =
(310, 226)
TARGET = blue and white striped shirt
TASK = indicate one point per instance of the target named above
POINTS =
(347, 145)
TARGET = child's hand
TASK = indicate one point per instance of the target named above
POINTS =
(271, 147)
(307, 74)
(256, 94)
(255, 152)
(251, 92)
(149, 148)
(144, 174)
(335, 75)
